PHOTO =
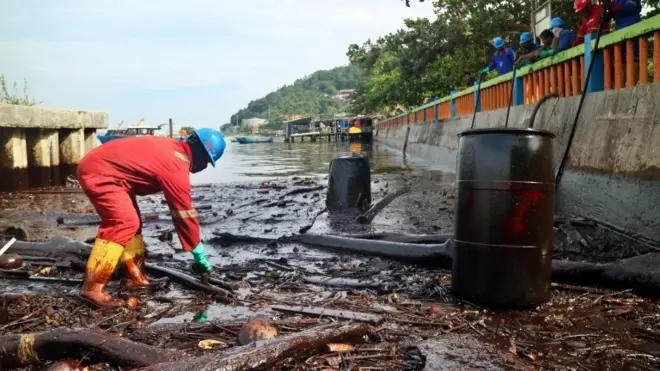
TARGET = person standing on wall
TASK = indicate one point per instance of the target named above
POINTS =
(624, 12)
(590, 22)
(502, 60)
(468, 78)
(564, 37)
(555, 40)
(527, 46)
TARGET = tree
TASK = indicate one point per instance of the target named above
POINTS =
(408, 2)
(422, 60)
(13, 97)
(312, 95)
(427, 58)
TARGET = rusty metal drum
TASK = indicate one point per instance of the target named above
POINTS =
(504, 214)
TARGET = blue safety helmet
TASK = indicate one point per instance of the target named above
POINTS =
(556, 22)
(526, 37)
(498, 42)
(213, 142)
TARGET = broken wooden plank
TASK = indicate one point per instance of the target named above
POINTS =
(373, 319)
(265, 354)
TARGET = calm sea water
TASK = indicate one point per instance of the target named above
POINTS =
(262, 161)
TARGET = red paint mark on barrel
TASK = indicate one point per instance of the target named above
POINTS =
(516, 224)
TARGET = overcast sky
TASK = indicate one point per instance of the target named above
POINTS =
(197, 61)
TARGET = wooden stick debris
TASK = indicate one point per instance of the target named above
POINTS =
(188, 280)
(7, 246)
(377, 207)
(22, 350)
(25, 275)
(343, 282)
(264, 355)
(373, 319)
(303, 190)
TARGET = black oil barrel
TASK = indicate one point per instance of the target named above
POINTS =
(504, 217)
(349, 184)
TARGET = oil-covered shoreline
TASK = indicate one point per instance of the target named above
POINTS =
(411, 319)
(279, 279)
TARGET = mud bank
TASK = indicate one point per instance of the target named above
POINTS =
(611, 174)
(416, 323)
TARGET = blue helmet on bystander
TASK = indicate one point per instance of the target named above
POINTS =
(498, 42)
(556, 22)
(526, 37)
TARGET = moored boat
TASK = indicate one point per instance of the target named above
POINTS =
(134, 131)
(246, 140)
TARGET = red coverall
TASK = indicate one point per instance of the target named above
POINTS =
(115, 172)
(589, 24)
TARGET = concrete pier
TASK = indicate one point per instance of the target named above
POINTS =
(41, 146)
(43, 157)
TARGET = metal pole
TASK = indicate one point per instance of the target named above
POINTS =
(508, 108)
(533, 18)
(171, 129)
(477, 100)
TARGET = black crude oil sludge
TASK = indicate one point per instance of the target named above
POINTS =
(504, 217)
(349, 184)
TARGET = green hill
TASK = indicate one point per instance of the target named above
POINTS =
(308, 96)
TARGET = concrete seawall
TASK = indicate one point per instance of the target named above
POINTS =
(41, 146)
(613, 171)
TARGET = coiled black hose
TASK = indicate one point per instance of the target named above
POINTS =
(530, 125)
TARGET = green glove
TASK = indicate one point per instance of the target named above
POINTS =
(200, 259)
(546, 53)
(201, 317)
(484, 71)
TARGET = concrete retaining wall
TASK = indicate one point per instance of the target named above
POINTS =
(41, 146)
(613, 172)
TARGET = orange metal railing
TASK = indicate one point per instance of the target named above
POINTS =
(625, 63)
(465, 105)
(444, 110)
(429, 114)
(496, 96)
(565, 78)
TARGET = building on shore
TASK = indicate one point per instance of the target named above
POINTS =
(253, 124)
(344, 95)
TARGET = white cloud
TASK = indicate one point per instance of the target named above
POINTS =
(96, 53)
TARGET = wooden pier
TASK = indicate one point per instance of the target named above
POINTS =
(336, 129)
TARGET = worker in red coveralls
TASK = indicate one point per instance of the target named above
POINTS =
(112, 174)
(591, 18)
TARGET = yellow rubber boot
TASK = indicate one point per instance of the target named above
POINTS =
(100, 266)
(133, 262)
